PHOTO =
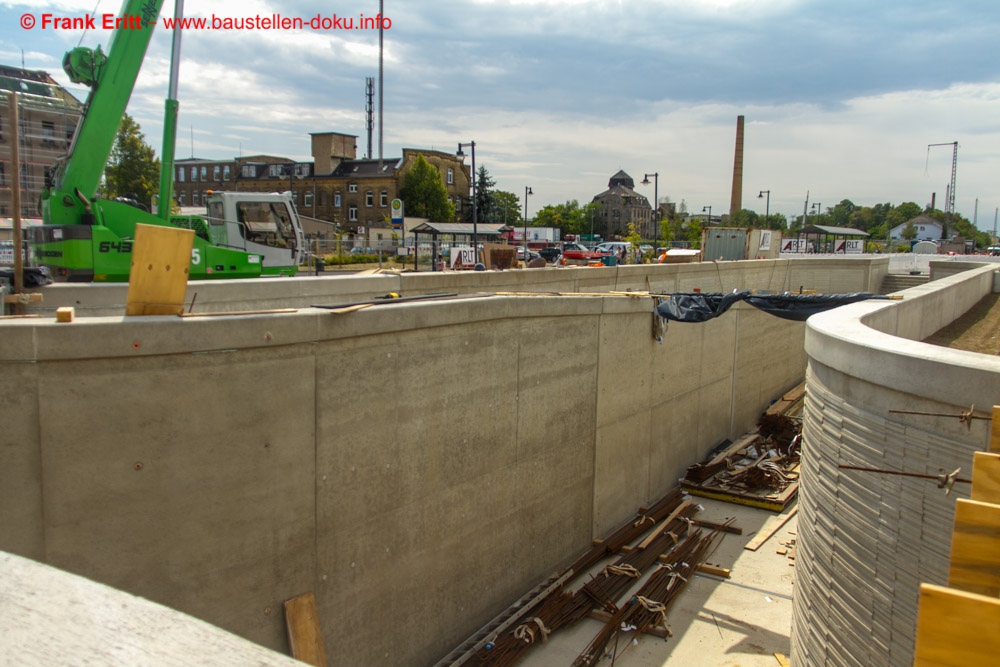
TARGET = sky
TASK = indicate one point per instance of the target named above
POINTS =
(840, 97)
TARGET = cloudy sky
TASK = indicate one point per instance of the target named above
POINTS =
(841, 97)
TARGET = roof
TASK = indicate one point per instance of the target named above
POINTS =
(621, 191)
(366, 168)
(38, 86)
(621, 178)
(460, 228)
(833, 231)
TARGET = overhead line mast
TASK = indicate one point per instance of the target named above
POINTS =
(949, 204)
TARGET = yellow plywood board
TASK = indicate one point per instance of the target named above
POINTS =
(995, 430)
(304, 635)
(975, 548)
(986, 477)
(956, 628)
(161, 259)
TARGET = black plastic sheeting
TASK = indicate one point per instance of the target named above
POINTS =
(33, 277)
(698, 307)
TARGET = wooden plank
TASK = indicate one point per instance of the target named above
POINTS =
(715, 525)
(161, 259)
(955, 628)
(24, 297)
(351, 309)
(986, 477)
(995, 431)
(782, 660)
(723, 572)
(231, 313)
(742, 443)
(975, 548)
(770, 528)
(663, 524)
(304, 635)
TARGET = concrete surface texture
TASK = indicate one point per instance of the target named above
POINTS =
(417, 465)
(737, 622)
(868, 540)
(827, 274)
(52, 617)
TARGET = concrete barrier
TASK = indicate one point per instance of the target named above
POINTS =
(867, 540)
(417, 465)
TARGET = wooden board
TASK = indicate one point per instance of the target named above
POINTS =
(663, 524)
(161, 259)
(986, 477)
(770, 528)
(995, 430)
(790, 398)
(975, 548)
(304, 635)
(955, 628)
(231, 313)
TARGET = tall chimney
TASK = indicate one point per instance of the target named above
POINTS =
(736, 203)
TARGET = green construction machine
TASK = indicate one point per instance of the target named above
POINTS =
(84, 238)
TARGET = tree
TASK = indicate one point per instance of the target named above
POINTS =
(692, 233)
(504, 209)
(909, 231)
(568, 218)
(484, 195)
(133, 170)
(841, 213)
(633, 235)
(423, 193)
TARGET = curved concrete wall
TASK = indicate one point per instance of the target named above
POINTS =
(866, 540)
(417, 465)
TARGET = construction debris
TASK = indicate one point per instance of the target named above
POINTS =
(761, 469)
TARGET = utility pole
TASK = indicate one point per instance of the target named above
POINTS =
(949, 203)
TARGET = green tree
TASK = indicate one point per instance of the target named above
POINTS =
(910, 231)
(841, 213)
(423, 193)
(568, 218)
(133, 170)
(902, 214)
(693, 233)
(633, 236)
(505, 209)
(484, 195)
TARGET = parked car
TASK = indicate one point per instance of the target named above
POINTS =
(614, 247)
(550, 254)
(531, 254)
(363, 251)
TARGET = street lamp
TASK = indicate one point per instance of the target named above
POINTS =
(527, 191)
(768, 209)
(709, 209)
(818, 207)
(656, 205)
(475, 218)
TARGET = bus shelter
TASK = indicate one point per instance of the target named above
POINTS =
(823, 239)
(457, 232)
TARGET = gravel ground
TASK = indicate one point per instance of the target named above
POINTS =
(976, 331)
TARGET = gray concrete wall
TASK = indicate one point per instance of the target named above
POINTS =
(417, 465)
(825, 274)
(866, 541)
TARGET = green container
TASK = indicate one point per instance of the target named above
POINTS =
(609, 260)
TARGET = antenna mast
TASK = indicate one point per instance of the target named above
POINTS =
(949, 202)
(369, 110)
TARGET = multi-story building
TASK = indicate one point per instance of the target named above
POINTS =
(621, 205)
(48, 115)
(334, 192)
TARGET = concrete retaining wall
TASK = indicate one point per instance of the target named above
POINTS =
(866, 540)
(417, 465)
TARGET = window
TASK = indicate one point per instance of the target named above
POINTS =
(336, 200)
(180, 174)
(194, 198)
(194, 174)
(3, 178)
(451, 176)
(274, 170)
(24, 176)
(353, 187)
(369, 199)
(204, 173)
(352, 214)
(225, 173)
(383, 199)
(180, 198)
(249, 171)
(48, 133)
(70, 129)
(216, 170)
(307, 199)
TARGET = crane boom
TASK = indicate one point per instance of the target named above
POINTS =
(111, 79)
(949, 205)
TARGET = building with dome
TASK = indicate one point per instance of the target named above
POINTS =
(620, 205)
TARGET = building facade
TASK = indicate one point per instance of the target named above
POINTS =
(621, 205)
(335, 192)
(48, 115)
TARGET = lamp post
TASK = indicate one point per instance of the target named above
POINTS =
(527, 191)
(475, 219)
(656, 205)
(767, 210)
(709, 209)
(818, 207)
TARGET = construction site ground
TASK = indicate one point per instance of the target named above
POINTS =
(976, 331)
(742, 621)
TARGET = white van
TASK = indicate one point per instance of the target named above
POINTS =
(614, 247)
